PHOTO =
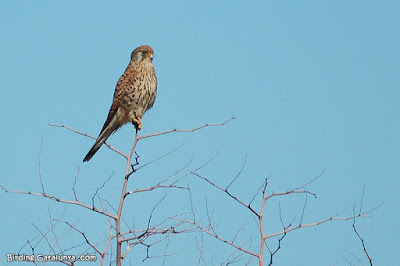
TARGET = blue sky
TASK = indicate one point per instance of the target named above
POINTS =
(314, 85)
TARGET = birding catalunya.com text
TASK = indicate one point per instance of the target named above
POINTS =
(49, 258)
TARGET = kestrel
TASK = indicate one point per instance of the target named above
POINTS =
(134, 94)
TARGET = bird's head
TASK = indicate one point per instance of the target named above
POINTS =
(143, 53)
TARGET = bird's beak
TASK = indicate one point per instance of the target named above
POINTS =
(151, 56)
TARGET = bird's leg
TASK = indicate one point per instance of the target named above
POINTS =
(137, 123)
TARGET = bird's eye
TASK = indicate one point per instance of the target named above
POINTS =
(144, 52)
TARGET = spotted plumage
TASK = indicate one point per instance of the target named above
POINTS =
(134, 94)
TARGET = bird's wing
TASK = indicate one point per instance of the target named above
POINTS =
(119, 93)
(113, 121)
(110, 117)
(110, 126)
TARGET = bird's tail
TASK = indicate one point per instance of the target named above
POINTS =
(99, 141)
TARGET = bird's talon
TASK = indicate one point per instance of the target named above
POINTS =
(137, 123)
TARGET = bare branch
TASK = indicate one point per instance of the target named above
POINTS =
(165, 252)
(355, 229)
(47, 196)
(161, 157)
(354, 256)
(73, 187)
(362, 199)
(227, 192)
(311, 181)
(304, 209)
(273, 253)
(240, 229)
(154, 188)
(110, 237)
(90, 136)
(180, 223)
(161, 183)
(154, 208)
(39, 167)
(33, 251)
(102, 186)
(83, 234)
(238, 174)
(57, 240)
(216, 236)
(44, 236)
(332, 218)
(122, 200)
(258, 191)
(185, 130)
(201, 249)
(233, 258)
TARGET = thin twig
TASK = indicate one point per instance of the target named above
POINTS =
(101, 187)
(83, 234)
(73, 187)
(355, 229)
(332, 218)
(216, 236)
(39, 166)
(161, 157)
(363, 243)
(239, 173)
(90, 136)
(227, 192)
(72, 202)
(185, 130)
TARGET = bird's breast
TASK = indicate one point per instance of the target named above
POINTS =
(141, 92)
